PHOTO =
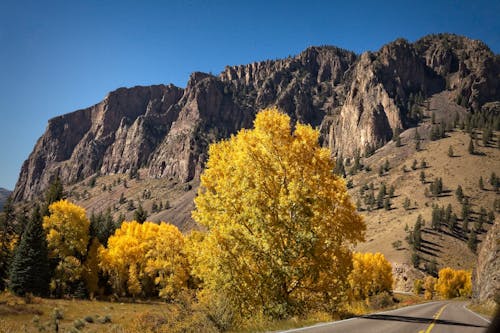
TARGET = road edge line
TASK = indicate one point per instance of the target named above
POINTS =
(298, 329)
(477, 314)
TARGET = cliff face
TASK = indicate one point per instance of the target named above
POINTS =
(487, 275)
(355, 101)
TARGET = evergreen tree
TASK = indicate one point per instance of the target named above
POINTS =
(7, 234)
(140, 214)
(481, 183)
(29, 272)
(387, 204)
(396, 137)
(459, 193)
(53, 194)
(414, 165)
(471, 147)
(450, 151)
(422, 176)
(472, 242)
(406, 204)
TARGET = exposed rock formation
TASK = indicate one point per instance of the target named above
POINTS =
(4, 194)
(355, 101)
(487, 274)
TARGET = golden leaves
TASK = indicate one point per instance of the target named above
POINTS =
(279, 221)
(142, 255)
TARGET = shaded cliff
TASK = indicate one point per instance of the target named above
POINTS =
(355, 101)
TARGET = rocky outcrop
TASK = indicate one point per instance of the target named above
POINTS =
(355, 101)
(487, 274)
(4, 194)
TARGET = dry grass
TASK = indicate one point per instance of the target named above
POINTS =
(17, 316)
(487, 309)
(149, 316)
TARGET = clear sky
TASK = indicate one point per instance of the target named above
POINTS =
(60, 56)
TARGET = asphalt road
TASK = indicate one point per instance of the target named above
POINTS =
(435, 317)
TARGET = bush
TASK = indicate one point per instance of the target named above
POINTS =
(418, 286)
(89, 319)
(78, 324)
(382, 300)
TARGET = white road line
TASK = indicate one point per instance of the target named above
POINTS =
(317, 325)
(476, 314)
(343, 321)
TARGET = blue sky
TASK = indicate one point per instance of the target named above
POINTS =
(60, 56)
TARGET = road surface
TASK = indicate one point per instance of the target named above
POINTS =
(434, 317)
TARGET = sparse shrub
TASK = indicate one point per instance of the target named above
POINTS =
(381, 300)
(78, 324)
(397, 244)
(417, 286)
(104, 320)
(429, 286)
(89, 319)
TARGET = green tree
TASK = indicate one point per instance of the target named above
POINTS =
(279, 223)
(53, 194)
(459, 193)
(406, 204)
(140, 214)
(8, 238)
(422, 176)
(471, 147)
(30, 271)
(481, 183)
(396, 137)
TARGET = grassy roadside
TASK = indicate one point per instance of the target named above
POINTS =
(358, 308)
(28, 314)
(486, 309)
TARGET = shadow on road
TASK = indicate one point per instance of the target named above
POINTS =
(418, 320)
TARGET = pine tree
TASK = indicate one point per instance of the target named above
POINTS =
(422, 176)
(53, 194)
(472, 242)
(481, 183)
(450, 151)
(471, 147)
(140, 215)
(29, 272)
(459, 193)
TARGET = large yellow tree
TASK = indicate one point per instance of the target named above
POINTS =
(280, 222)
(67, 229)
(454, 283)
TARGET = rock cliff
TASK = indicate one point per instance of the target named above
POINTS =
(355, 100)
(487, 274)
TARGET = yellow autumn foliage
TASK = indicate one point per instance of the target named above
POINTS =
(280, 223)
(430, 287)
(145, 259)
(454, 283)
(371, 274)
(67, 229)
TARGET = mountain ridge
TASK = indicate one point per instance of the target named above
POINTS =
(356, 101)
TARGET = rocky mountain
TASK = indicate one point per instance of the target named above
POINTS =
(4, 194)
(356, 101)
(487, 274)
